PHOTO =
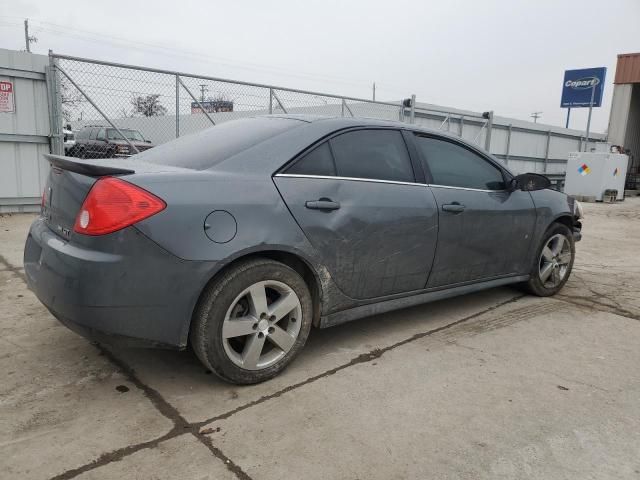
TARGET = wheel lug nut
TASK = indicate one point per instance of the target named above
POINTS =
(272, 318)
(255, 326)
(260, 335)
(292, 320)
(263, 316)
(271, 329)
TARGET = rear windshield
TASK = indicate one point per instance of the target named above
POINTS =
(210, 147)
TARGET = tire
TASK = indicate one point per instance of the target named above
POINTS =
(82, 153)
(227, 307)
(557, 261)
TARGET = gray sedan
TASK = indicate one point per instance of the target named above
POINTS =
(240, 238)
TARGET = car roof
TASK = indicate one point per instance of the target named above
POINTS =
(346, 122)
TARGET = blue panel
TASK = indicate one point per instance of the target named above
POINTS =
(578, 86)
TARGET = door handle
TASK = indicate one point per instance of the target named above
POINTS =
(453, 207)
(322, 204)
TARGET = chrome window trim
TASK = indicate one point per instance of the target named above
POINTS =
(356, 179)
(393, 182)
(467, 188)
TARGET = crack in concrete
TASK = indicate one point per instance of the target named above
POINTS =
(180, 424)
(182, 427)
(363, 358)
(588, 302)
(9, 267)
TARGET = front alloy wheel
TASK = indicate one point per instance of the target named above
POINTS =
(554, 261)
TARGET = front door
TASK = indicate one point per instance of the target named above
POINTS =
(485, 231)
(357, 201)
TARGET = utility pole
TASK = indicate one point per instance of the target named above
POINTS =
(374, 91)
(586, 135)
(203, 89)
(536, 116)
(28, 39)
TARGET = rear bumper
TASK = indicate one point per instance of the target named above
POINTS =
(120, 288)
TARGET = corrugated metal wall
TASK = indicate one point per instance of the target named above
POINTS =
(24, 134)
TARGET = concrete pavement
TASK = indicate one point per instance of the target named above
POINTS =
(490, 385)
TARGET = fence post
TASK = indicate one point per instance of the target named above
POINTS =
(412, 112)
(546, 151)
(177, 106)
(55, 108)
(196, 101)
(487, 138)
(508, 149)
(270, 101)
(275, 95)
(461, 125)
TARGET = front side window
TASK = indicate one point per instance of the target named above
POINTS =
(100, 135)
(455, 166)
(92, 135)
(375, 154)
(318, 161)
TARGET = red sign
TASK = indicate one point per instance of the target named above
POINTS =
(7, 104)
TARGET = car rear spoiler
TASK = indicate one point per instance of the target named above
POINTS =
(89, 169)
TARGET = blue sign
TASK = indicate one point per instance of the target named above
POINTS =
(578, 86)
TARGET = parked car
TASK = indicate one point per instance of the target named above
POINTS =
(69, 140)
(239, 238)
(96, 141)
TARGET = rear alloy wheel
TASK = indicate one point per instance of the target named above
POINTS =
(252, 321)
(554, 262)
(261, 325)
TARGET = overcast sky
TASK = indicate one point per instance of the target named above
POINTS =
(508, 56)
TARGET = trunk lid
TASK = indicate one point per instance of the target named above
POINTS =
(70, 180)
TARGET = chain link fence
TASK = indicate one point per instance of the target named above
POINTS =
(116, 110)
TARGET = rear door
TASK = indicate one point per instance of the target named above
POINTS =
(357, 200)
(485, 231)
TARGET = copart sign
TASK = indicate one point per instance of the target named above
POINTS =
(579, 86)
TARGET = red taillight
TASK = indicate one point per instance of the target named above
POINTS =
(113, 204)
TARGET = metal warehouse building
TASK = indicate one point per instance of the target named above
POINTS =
(624, 122)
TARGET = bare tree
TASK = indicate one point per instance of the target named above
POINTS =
(148, 105)
(70, 98)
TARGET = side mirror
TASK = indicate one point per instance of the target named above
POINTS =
(528, 182)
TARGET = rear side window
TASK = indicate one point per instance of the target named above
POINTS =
(375, 154)
(94, 131)
(318, 161)
(455, 166)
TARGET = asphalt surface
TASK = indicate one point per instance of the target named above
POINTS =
(490, 385)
